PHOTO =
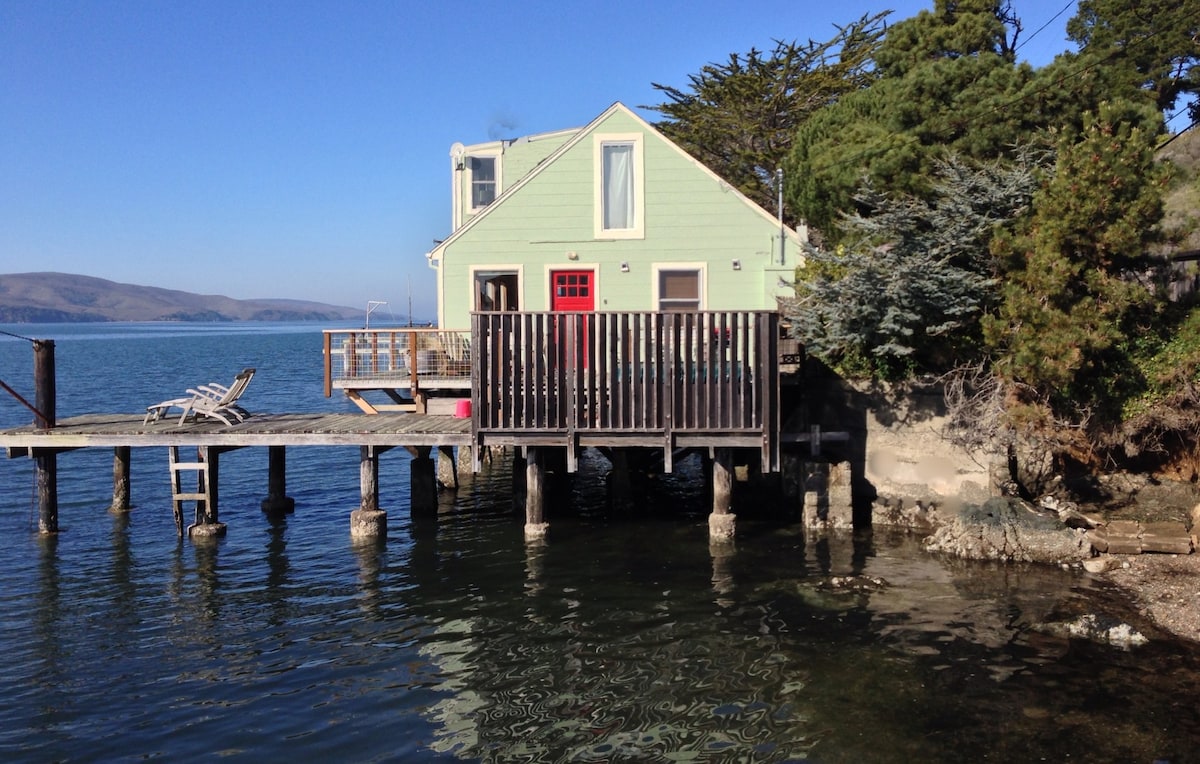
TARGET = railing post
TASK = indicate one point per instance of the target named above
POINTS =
(413, 384)
(328, 350)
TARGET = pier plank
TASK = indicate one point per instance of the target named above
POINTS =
(116, 430)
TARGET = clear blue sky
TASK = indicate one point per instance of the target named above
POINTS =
(300, 149)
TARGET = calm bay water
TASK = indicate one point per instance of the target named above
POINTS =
(620, 639)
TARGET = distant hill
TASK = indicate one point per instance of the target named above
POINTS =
(63, 297)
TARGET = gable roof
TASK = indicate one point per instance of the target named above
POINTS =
(582, 134)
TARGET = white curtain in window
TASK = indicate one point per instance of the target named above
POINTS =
(618, 186)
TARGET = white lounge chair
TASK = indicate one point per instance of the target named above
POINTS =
(213, 400)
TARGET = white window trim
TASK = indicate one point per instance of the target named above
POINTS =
(474, 269)
(656, 270)
(639, 186)
(469, 190)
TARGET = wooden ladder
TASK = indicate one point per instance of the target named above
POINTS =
(203, 493)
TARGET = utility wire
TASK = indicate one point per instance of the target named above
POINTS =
(1042, 28)
(10, 334)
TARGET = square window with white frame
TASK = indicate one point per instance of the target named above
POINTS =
(680, 290)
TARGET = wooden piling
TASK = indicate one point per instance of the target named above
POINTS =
(535, 484)
(721, 522)
(447, 468)
(423, 493)
(46, 462)
(208, 520)
(120, 499)
(277, 501)
(368, 521)
(620, 481)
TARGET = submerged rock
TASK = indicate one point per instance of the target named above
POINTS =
(1008, 529)
(1097, 629)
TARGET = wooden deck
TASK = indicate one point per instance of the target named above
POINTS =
(560, 381)
(124, 430)
(705, 379)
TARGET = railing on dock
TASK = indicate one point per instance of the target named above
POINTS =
(657, 376)
(394, 357)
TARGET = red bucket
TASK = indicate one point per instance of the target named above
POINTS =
(462, 409)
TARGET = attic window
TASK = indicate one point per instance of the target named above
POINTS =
(483, 181)
(620, 186)
(617, 193)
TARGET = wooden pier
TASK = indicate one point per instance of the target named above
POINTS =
(542, 382)
(208, 439)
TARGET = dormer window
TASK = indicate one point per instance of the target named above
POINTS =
(620, 186)
(483, 181)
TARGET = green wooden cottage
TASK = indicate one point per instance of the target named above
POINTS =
(612, 216)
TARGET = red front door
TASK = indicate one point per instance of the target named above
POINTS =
(574, 292)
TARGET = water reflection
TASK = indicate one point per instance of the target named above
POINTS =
(277, 596)
(50, 674)
(371, 556)
(615, 639)
(613, 656)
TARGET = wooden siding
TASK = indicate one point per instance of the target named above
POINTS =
(691, 216)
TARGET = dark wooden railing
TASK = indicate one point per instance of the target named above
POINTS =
(707, 378)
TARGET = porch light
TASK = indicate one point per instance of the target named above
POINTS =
(737, 264)
(624, 267)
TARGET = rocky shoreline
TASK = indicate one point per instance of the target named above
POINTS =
(1141, 538)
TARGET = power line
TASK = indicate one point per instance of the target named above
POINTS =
(1168, 141)
(1042, 28)
(10, 334)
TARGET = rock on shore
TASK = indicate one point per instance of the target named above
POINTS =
(1010, 530)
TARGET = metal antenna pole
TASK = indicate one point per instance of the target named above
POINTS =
(782, 231)
(371, 307)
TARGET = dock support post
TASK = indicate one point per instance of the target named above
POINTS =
(46, 463)
(368, 521)
(828, 503)
(120, 500)
(535, 484)
(447, 469)
(464, 462)
(721, 522)
(277, 501)
(620, 482)
(46, 466)
(208, 522)
(423, 492)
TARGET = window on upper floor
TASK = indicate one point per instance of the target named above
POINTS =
(620, 187)
(483, 181)
(679, 289)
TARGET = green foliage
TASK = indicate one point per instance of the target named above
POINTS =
(953, 29)
(948, 84)
(1148, 45)
(739, 117)
(894, 157)
(904, 290)
(1169, 362)
(1077, 293)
